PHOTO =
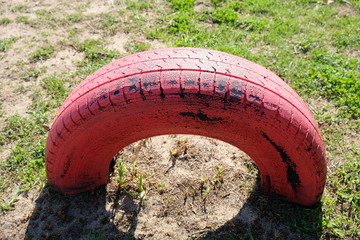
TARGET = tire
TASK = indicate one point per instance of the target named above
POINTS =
(187, 91)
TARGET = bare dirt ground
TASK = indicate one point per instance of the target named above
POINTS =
(184, 200)
(206, 189)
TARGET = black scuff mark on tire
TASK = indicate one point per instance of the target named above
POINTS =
(189, 82)
(201, 116)
(206, 85)
(254, 98)
(266, 186)
(292, 177)
(162, 94)
(133, 80)
(134, 87)
(66, 166)
(221, 85)
(149, 84)
(173, 82)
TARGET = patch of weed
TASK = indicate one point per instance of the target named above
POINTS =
(32, 74)
(260, 7)
(25, 165)
(182, 5)
(6, 43)
(16, 128)
(20, 8)
(134, 47)
(342, 203)
(181, 23)
(254, 24)
(334, 77)
(225, 15)
(55, 87)
(41, 54)
(4, 21)
(47, 17)
(109, 23)
(131, 181)
(138, 5)
(72, 33)
(73, 18)
(95, 56)
(22, 19)
(8, 205)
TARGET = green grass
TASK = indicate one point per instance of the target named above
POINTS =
(41, 54)
(26, 20)
(73, 18)
(138, 5)
(343, 221)
(20, 8)
(134, 47)
(32, 74)
(95, 56)
(6, 43)
(55, 87)
(25, 166)
(4, 21)
(110, 23)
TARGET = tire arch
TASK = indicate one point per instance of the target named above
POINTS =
(189, 91)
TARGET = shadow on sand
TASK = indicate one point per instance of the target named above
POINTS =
(85, 216)
(263, 217)
(82, 216)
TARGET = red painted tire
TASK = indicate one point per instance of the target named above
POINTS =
(188, 91)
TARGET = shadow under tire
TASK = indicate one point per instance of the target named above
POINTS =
(187, 91)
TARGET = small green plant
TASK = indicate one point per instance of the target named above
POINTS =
(6, 206)
(131, 181)
(182, 5)
(181, 23)
(26, 20)
(141, 188)
(218, 178)
(121, 172)
(95, 53)
(55, 87)
(225, 15)
(42, 54)
(109, 23)
(162, 187)
(6, 43)
(134, 47)
(20, 8)
(73, 18)
(95, 57)
(4, 21)
(32, 74)
(47, 17)
(138, 5)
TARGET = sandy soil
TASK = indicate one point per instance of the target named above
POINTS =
(183, 199)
